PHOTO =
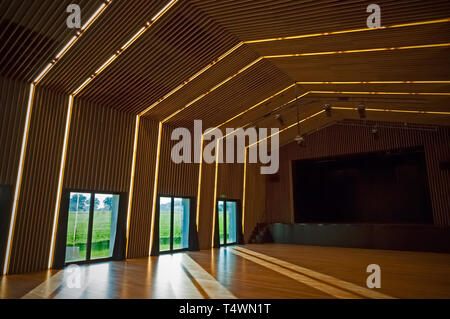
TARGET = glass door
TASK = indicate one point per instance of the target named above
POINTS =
(226, 211)
(173, 223)
(91, 226)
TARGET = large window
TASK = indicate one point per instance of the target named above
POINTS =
(91, 226)
(173, 223)
(227, 211)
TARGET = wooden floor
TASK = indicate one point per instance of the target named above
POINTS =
(250, 271)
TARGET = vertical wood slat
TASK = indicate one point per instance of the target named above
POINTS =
(206, 206)
(342, 139)
(255, 194)
(175, 179)
(141, 209)
(100, 148)
(34, 221)
(13, 109)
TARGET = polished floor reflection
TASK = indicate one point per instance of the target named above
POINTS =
(250, 271)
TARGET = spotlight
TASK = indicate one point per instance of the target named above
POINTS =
(299, 139)
(374, 132)
(362, 111)
(327, 109)
(280, 119)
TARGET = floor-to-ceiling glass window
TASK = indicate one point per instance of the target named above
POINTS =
(91, 226)
(173, 223)
(226, 213)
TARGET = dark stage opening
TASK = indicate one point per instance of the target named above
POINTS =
(384, 187)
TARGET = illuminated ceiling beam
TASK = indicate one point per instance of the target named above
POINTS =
(29, 112)
(99, 70)
(410, 47)
(206, 132)
(72, 41)
(350, 31)
(305, 119)
(352, 109)
(303, 36)
(345, 93)
(246, 67)
(372, 82)
(212, 89)
(125, 46)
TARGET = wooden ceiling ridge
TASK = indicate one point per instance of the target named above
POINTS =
(318, 53)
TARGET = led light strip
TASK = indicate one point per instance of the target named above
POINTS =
(392, 110)
(255, 41)
(206, 132)
(192, 77)
(69, 111)
(437, 45)
(60, 179)
(213, 89)
(72, 41)
(130, 194)
(285, 38)
(215, 194)
(33, 85)
(18, 180)
(199, 183)
(127, 44)
(380, 93)
(301, 54)
(155, 187)
(244, 190)
(350, 31)
(337, 92)
(293, 100)
(375, 82)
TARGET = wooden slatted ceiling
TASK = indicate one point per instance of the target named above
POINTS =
(251, 20)
(280, 104)
(32, 33)
(306, 109)
(109, 33)
(248, 88)
(227, 67)
(176, 47)
(379, 38)
(389, 65)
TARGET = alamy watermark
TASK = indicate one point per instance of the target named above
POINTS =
(234, 143)
(73, 20)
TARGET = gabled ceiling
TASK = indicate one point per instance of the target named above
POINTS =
(31, 33)
(154, 73)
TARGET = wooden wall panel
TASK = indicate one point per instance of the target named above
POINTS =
(230, 181)
(144, 176)
(100, 148)
(206, 206)
(13, 109)
(175, 179)
(255, 194)
(34, 221)
(349, 137)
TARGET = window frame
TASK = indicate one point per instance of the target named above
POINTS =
(225, 200)
(90, 226)
(172, 212)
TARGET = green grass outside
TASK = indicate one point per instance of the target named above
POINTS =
(100, 233)
(164, 230)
